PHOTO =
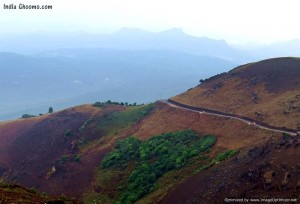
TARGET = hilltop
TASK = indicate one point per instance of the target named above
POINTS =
(267, 91)
(47, 152)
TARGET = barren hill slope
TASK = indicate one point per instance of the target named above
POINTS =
(87, 151)
(43, 155)
(267, 91)
(33, 147)
(48, 152)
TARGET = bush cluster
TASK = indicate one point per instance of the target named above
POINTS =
(108, 102)
(154, 158)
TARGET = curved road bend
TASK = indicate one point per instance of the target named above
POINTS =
(226, 115)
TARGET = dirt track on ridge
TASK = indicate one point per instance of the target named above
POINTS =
(236, 117)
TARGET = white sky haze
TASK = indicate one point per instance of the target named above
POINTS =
(237, 21)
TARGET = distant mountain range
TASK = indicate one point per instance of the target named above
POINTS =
(137, 39)
(125, 39)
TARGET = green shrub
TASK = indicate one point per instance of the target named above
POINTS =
(109, 102)
(126, 150)
(113, 122)
(154, 158)
(224, 155)
(27, 116)
(77, 158)
(63, 197)
(44, 194)
(68, 133)
(63, 159)
(32, 190)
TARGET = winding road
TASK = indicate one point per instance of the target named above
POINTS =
(249, 121)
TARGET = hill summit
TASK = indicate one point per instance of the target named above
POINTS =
(267, 91)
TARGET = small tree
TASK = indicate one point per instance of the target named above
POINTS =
(68, 133)
(27, 116)
(50, 110)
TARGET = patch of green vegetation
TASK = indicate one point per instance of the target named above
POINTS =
(27, 116)
(63, 197)
(32, 190)
(3, 184)
(44, 194)
(217, 76)
(217, 159)
(106, 177)
(95, 198)
(68, 133)
(69, 158)
(110, 181)
(115, 121)
(83, 126)
(169, 180)
(76, 158)
(63, 159)
(224, 155)
(126, 150)
(108, 102)
(13, 193)
(154, 158)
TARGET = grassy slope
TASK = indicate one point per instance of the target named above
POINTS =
(16, 194)
(268, 91)
(112, 183)
(231, 134)
(115, 123)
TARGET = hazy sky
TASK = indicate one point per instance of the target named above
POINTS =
(237, 21)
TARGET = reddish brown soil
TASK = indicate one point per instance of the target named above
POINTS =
(260, 150)
(33, 153)
(10, 130)
(267, 91)
(279, 75)
(32, 147)
(231, 134)
(258, 173)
